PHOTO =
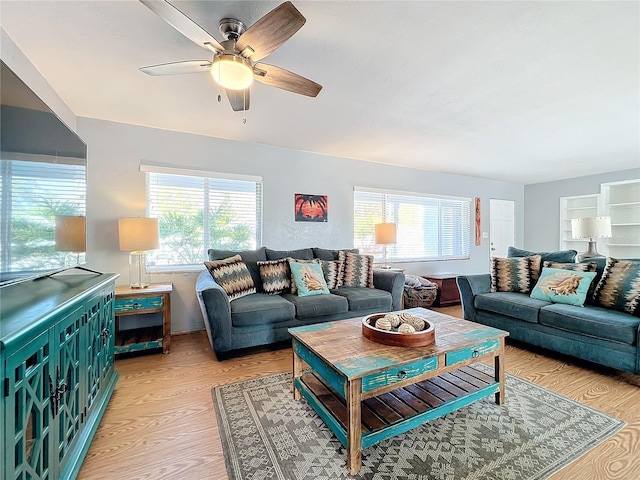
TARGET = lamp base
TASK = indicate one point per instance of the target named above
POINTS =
(590, 253)
(138, 275)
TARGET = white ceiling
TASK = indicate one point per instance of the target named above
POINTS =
(516, 91)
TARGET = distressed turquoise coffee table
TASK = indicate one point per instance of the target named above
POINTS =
(367, 392)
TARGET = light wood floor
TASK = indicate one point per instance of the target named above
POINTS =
(160, 423)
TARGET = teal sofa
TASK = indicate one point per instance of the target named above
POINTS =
(599, 335)
(260, 319)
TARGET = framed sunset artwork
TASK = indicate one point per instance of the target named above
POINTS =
(310, 208)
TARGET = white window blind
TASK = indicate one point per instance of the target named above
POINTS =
(33, 192)
(196, 213)
(428, 227)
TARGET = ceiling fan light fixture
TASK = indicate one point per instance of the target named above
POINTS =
(232, 72)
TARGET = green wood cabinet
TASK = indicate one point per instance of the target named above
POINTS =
(57, 371)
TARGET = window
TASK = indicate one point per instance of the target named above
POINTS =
(197, 211)
(428, 227)
(40, 198)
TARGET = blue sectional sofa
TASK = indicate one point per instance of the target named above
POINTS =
(260, 319)
(604, 336)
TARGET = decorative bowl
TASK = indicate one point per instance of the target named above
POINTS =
(418, 339)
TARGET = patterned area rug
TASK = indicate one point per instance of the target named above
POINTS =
(266, 434)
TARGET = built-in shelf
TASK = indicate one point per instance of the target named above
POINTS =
(578, 206)
(621, 201)
(594, 207)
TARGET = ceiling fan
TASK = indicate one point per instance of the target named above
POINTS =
(235, 61)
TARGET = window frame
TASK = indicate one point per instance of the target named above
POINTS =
(206, 175)
(377, 250)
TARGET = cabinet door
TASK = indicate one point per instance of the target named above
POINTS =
(67, 342)
(93, 328)
(108, 336)
(29, 429)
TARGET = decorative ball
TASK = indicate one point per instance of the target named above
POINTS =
(404, 316)
(394, 319)
(406, 328)
(417, 323)
(383, 324)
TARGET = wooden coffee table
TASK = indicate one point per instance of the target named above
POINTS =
(367, 392)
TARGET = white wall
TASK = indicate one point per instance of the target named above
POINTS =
(117, 189)
(542, 205)
(23, 68)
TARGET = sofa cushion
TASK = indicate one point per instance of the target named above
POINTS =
(317, 305)
(232, 275)
(361, 298)
(561, 256)
(597, 322)
(261, 309)
(275, 276)
(559, 285)
(249, 257)
(302, 254)
(514, 274)
(325, 254)
(358, 270)
(515, 305)
(309, 279)
(619, 287)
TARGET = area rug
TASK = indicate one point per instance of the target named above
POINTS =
(266, 434)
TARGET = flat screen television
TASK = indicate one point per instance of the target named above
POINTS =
(43, 186)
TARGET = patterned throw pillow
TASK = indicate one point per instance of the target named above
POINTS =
(294, 288)
(619, 287)
(332, 273)
(276, 276)
(561, 285)
(576, 267)
(309, 279)
(232, 275)
(358, 270)
(517, 274)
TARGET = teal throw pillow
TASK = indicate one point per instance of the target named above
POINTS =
(559, 285)
(619, 287)
(309, 279)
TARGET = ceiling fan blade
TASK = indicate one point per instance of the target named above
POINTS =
(176, 68)
(286, 80)
(239, 99)
(271, 31)
(183, 24)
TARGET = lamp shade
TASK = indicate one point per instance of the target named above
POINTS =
(138, 233)
(385, 233)
(70, 233)
(591, 227)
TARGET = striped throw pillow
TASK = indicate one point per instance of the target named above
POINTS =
(516, 274)
(233, 276)
(358, 270)
(332, 273)
(619, 287)
(576, 267)
(275, 276)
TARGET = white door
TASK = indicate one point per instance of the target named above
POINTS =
(502, 226)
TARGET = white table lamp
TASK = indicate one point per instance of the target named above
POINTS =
(137, 235)
(591, 228)
(385, 234)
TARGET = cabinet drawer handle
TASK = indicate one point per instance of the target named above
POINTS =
(402, 374)
(475, 354)
(136, 306)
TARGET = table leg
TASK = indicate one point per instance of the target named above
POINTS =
(297, 371)
(354, 426)
(499, 373)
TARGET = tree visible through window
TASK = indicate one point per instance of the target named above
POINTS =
(196, 213)
(428, 227)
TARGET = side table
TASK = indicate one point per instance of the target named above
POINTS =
(448, 293)
(151, 328)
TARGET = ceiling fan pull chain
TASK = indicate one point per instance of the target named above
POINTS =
(219, 86)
